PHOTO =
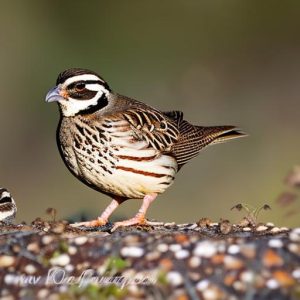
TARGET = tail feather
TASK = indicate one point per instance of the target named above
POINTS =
(195, 138)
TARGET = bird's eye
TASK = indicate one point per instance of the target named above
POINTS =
(79, 87)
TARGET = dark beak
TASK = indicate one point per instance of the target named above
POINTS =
(54, 95)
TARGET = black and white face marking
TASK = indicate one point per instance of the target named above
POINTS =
(79, 94)
(8, 206)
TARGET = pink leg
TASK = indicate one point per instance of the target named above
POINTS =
(140, 216)
(103, 219)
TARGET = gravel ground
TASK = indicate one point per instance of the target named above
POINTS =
(203, 260)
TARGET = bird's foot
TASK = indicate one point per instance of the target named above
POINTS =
(137, 220)
(94, 223)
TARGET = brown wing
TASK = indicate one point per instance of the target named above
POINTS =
(160, 131)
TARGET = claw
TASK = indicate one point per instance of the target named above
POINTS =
(137, 220)
(93, 223)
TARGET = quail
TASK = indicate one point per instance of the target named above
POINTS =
(8, 208)
(122, 147)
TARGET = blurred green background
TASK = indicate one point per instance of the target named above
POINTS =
(221, 62)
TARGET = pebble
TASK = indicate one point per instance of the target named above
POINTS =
(162, 247)
(33, 247)
(10, 279)
(248, 277)
(270, 224)
(214, 224)
(193, 226)
(202, 285)
(272, 284)
(284, 229)
(239, 286)
(211, 294)
(272, 259)
(233, 249)
(81, 240)
(175, 247)
(275, 243)
(174, 278)
(6, 261)
(42, 293)
(69, 268)
(182, 254)
(225, 227)
(275, 230)
(294, 248)
(61, 260)
(153, 255)
(47, 239)
(261, 228)
(247, 229)
(205, 249)
(72, 250)
(233, 263)
(194, 261)
(170, 224)
(295, 235)
(30, 269)
(296, 273)
(132, 251)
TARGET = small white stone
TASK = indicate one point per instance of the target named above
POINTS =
(182, 254)
(210, 294)
(162, 247)
(275, 243)
(221, 247)
(30, 269)
(174, 278)
(294, 235)
(170, 224)
(213, 224)
(72, 250)
(239, 286)
(248, 276)
(47, 239)
(81, 240)
(132, 251)
(6, 261)
(194, 261)
(272, 284)
(275, 230)
(261, 228)
(193, 226)
(69, 268)
(61, 260)
(205, 249)
(296, 273)
(202, 285)
(175, 247)
(247, 229)
(42, 293)
(270, 224)
(233, 249)
(10, 279)
(294, 248)
(296, 230)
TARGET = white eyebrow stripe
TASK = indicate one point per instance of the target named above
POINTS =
(94, 87)
(5, 194)
(82, 77)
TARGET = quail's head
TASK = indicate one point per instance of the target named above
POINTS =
(79, 91)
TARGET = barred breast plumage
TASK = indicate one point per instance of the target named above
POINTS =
(112, 158)
(123, 147)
